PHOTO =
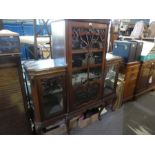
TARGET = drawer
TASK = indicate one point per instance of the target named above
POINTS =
(129, 90)
(131, 76)
(133, 68)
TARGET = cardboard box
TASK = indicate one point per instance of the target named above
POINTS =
(94, 118)
(74, 122)
(84, 122)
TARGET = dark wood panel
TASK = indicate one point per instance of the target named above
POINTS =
(13, 121)
(129, 90)
(146, 78)
(131, 74)
(12, 112)
(143, 78)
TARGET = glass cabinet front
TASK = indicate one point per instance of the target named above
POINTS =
(87, 53)
(110, 79)
(52, 95)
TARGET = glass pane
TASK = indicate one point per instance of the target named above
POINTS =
(81, 95)
(79, 60)
(98, 38)
(87, 59)
(95, 73)
(98, 57)
(79, 77)
(79, 39)
(9, 44)
(84, 38)
(87, 92)
(109, 82)
(52, 96)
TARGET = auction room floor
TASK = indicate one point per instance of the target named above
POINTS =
(136, 117)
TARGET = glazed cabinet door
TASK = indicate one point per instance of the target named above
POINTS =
(52, 95)
(87, 47)
(110, 80)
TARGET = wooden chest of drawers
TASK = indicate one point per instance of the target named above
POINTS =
(131, 71)
(146, 78)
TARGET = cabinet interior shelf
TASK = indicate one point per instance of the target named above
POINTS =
(89, 34)
(79, 51)
(85, 67)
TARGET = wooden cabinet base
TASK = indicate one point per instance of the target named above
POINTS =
(144, 91)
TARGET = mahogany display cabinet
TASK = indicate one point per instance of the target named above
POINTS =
(81, 74)
(47, 90)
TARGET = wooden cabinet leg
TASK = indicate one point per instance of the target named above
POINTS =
(153, 89)
(112, 104)
(68, 125)
(134, 98)
(38, 130)
(99, 115)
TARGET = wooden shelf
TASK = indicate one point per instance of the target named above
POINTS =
(90, 81)
(79, 51)
(79, 68)
(85, 67)
(95, 65)
(89, 34)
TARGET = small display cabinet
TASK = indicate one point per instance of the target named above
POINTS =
(46, 88)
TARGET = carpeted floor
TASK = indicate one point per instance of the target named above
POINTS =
(136, 117)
